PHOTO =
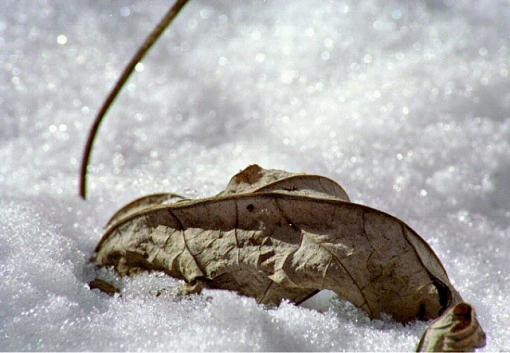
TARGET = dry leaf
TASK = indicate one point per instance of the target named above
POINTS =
(103, 286)
(273, 235)
(143, 202)
(455, 331)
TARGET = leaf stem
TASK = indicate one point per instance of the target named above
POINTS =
(139, 55)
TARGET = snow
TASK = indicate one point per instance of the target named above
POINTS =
(406, 104)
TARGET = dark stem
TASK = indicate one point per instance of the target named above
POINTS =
(144, 48)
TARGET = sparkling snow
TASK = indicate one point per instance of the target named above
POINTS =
(406, 104)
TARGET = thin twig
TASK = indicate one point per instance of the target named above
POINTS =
(149, 41)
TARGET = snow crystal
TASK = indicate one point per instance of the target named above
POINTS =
(406, 104)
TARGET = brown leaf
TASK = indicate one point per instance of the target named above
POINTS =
(103, 286)
(143, 202)
(255, 179)
(455, 331)
(273, 235)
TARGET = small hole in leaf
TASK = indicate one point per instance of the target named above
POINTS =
(421, 312)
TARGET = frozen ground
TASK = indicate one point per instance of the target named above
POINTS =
(406, 104)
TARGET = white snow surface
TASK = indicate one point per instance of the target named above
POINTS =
(406, 104)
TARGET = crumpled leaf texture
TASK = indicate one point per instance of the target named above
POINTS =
(273, 235)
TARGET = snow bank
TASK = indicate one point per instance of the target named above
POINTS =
(406, 104)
